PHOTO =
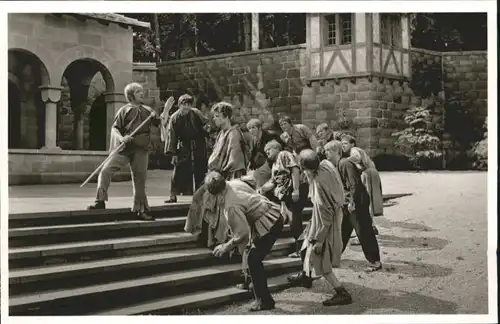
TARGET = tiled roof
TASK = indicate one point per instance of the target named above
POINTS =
(116, 18)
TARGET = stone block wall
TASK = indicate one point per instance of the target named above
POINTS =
(27, 167)
(465, 74)
(264, 83)
(259, 84)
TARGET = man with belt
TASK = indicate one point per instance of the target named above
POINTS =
(253, 219)
(187, 131)
(135, 152)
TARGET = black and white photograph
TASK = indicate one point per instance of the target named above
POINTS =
(322, 161)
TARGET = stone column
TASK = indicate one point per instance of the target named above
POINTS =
(255, 32)
(50, 97)
(114, 101)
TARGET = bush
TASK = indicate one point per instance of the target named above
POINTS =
(480, 150)
(417, 142)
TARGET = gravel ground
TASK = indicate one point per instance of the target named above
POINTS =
(433, 246)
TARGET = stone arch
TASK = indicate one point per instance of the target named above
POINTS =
(27, 73)
(13, 56)
(78, 83)
(96, 56)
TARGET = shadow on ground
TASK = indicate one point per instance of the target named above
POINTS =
(400, 268)
(415, 243)
(365, 300)
(419, 227)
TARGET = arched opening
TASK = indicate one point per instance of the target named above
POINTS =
(14, 111)
(26, 109)
(97, 125)
(84, 126)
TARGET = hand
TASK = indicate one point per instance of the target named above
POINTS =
(154, 115)
(220, 250)
(317, 247)
(126, 139)
(169, 104)
(351, 207)
(295, 195)
(174, 160)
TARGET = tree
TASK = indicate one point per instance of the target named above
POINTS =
(449, 31)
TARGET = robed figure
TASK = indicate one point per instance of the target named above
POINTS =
(186, 141)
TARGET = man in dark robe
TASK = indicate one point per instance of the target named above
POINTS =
(259, 162)
(186, 141)
(356, 206)
(135, 152)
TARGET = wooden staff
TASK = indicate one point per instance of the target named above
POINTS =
(115, 151)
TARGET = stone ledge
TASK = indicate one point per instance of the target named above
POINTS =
(57, 151)
(228, 55)
(423, 50)
(144, 66)
(59, 178)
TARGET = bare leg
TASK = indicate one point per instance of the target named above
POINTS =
(342, 297)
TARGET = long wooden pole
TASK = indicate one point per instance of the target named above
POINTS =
(115, 151)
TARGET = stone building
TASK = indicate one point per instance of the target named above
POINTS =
(66, 76)
(355, 72)
(67, 73)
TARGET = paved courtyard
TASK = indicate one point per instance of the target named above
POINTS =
(433, 244)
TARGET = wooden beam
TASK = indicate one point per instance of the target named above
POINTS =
(255, 32)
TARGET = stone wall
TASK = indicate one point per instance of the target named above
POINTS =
(45, 167)
(259, 83)
(264, 83)
(465, 76)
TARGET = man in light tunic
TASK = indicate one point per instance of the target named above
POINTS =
(229, 159)
(252, 218)
(325, 134)
(296, 137)
(323, 237)
(135, 152)
(259, 163)
(289, 186)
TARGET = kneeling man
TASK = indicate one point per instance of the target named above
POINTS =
(251, 218)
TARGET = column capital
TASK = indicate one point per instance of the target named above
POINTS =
(50, 94)
(114, 97)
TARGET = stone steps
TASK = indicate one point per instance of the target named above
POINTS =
(193, 301)
(62, 271)
(137, 290)
(91, 216)
(83, 262)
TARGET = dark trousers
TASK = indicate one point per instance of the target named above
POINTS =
(297, 208)
(186, 168)
(361, 222)
(257, 253)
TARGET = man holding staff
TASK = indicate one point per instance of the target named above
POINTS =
(135, 150)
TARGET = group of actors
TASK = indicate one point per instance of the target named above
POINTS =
(253, 183)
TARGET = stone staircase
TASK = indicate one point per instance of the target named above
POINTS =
(108, 263)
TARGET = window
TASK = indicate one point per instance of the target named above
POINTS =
(390, 30)
(338, 29)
